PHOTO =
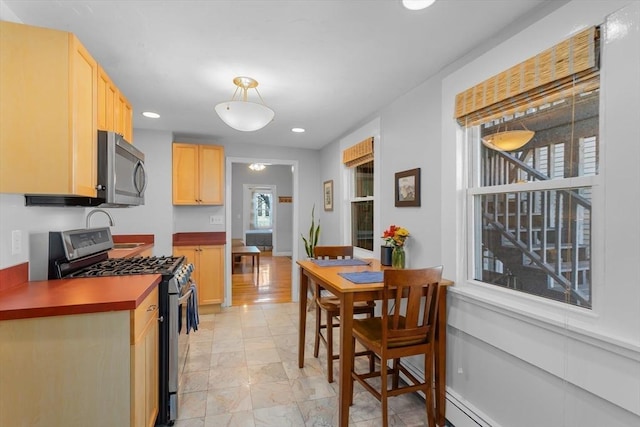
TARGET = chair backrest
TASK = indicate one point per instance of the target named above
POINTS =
(415, 324)
(333, 252)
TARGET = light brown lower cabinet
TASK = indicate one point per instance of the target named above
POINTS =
(208, 274)
(95, 369)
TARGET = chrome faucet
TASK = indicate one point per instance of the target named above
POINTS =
(90, 214)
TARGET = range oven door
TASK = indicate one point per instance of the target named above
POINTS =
(178, 345)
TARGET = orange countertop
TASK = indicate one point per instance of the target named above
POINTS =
(200, 238)
(129, 252)
(75, 296)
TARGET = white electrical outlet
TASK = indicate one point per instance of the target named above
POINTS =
(215, 219)
(16, 242)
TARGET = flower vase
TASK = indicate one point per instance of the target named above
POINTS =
(398, 257)
(385, 255)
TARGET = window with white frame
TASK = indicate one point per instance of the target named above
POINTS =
(533, 160)
(362, 206)
(261, 214)
(360, 161)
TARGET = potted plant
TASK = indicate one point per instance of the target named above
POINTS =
(314, 231)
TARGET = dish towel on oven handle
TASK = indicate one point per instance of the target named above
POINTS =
(192, 310)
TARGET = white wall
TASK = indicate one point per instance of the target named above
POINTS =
(517, 360)
(545, 363)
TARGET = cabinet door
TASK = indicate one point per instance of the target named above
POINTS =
(191, 253)
(124, 120)
(211, 166)
(144, 359)
(83, 96)
(185, 174)
(48, 111)
(211, 275)
(107, 96)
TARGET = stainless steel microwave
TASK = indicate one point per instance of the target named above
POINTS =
(122, 178)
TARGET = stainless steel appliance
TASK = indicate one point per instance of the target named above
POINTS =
(83, 253)
(121, 177)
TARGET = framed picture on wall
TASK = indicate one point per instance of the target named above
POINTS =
(408, 188)
(328, 195)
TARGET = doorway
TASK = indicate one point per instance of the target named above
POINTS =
(283, 187)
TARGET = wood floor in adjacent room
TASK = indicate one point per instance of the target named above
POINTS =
(273, 285)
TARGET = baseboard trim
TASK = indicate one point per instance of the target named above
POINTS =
(461, 413)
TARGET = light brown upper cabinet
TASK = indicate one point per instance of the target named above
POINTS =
(114, 110)
(198, 174)
(48, 111)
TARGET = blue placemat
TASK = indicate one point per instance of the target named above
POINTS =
(339, 262)
(364, 276)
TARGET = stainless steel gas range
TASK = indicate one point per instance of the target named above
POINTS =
(84, 253)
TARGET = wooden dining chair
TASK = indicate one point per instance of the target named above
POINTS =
(326, 301)
(407, 328)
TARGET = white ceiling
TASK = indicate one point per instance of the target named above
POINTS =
(324, 65)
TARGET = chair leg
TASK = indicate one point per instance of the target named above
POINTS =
(383, 391)
(428, 378)
(353, 368)
(316, 344)
(396, 374)
(330, 346)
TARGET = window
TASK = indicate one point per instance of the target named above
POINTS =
(262, 216)
(362, 206)
(531, 208)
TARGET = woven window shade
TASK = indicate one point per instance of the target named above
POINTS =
(358, 154)
(567, 68)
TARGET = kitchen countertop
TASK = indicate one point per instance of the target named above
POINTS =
(200, 238)
(75, 296)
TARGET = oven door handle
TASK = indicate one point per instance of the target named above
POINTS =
(185, 297)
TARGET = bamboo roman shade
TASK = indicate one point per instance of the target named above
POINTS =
(567, 68)
(358, 154)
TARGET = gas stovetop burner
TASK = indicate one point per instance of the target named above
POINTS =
(131, 266)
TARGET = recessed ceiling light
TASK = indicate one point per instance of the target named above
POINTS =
(417, 4)
(151, 115)
(297, 130)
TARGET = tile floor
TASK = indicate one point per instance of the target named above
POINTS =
(242, 370)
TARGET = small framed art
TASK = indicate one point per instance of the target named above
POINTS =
(328, 195)
(408, 188)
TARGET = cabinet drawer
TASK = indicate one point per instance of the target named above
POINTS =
(141, 316)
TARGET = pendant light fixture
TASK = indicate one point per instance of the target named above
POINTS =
(241, 114)
(508, 140)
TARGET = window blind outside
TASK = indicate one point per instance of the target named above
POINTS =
(358, 154)
(569, 67)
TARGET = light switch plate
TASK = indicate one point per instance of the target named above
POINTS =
(217, 220)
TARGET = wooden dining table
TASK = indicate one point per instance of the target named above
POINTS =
(348, 292)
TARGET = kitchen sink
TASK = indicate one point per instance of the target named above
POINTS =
(127, 245)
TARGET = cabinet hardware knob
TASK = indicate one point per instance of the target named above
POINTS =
(161, 319)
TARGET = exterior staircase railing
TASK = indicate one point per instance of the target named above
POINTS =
(533, 240)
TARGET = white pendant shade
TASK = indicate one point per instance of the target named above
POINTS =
(508, 140)
(241, 114)
(245, 116)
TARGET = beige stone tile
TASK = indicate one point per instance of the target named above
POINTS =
(320, 412)
(229, 400)
(282, 415)
(262, 356)
(230, 359)
(236, 419)
(227, 346)
(267, 373)
(191, 422)
(225, 377)
(255, 331)
(311, 369)
(194, 381)
(258, 343)
(192, 405)
(311, 388)
(265, 395)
